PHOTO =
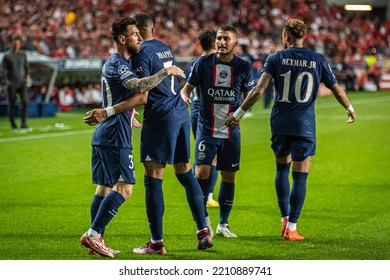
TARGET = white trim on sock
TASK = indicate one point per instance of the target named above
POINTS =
(92, 233)
(292, 226)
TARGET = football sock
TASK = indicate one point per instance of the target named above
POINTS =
(154, 206)
(107, 210)
(282, 186)
(282, 219)
(297, 196)
(213, 178)
(225, 199)
(95, 204)
(92, 233)
(210, 196)
(194, 198)
(204, 185)
(292, 226)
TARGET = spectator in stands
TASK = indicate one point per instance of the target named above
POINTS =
(374, 70)
(17, 75)
(347, 75)
(66, 98)
(39, 95)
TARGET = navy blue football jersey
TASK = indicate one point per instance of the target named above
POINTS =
(221, 84)
(165, 107)
(194, 94)
(116, 130)
(297, 74)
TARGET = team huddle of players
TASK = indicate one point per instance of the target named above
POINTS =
(142, 72)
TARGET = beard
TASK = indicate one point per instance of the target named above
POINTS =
(133, 50)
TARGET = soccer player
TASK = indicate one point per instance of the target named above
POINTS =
(165, 139)
(297, 73)
(222, 78)
(112, 159)
(207, 42)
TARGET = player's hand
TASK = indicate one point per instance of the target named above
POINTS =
(231, 121)
(95, 116)
(186, 99)
(175, 71)
(351, 117)
(136, 123)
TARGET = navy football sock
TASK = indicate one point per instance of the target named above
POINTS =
(213, 178)
(225, 199)
(95, 204)
(297, 196)
(205, 186)
(282, 185)
(107, 210)
(155, 207)
(194, 198)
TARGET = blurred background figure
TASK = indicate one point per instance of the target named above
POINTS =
(374, 70)
(17, 76)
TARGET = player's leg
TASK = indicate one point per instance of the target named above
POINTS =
(206, 148)
(116, 169)
(302, 150)
(280, 144)
(187, 179)
(228, 162)
(154, 155)
(226, 199)
(100, 193)
(211, 203)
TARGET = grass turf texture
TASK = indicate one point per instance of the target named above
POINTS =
(45, 179)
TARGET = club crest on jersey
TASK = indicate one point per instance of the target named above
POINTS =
(222, 76)
(201, 155)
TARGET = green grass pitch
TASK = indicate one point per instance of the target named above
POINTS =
(46, 189)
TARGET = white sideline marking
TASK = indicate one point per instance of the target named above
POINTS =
(46, 135)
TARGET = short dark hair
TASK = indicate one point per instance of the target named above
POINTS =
(143, 20)
(228, 28)
(119, 27)
(207, 39)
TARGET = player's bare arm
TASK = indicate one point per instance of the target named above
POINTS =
(186, 92)
(253, 96)
(147, 83)
(96, 116)
(342, 98)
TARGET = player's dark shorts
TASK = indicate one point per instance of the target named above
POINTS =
(112, 164)
(227, 150)
(166, 145)
(194, 116)
(299, 147)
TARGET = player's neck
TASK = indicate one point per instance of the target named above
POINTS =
(297, 44)
(225, 57)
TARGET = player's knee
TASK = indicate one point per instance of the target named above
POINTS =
(228, 176)
(125, 190)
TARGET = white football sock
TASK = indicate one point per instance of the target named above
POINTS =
(93, 233)
(292, 226)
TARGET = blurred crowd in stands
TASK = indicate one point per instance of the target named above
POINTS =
(81, 28)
